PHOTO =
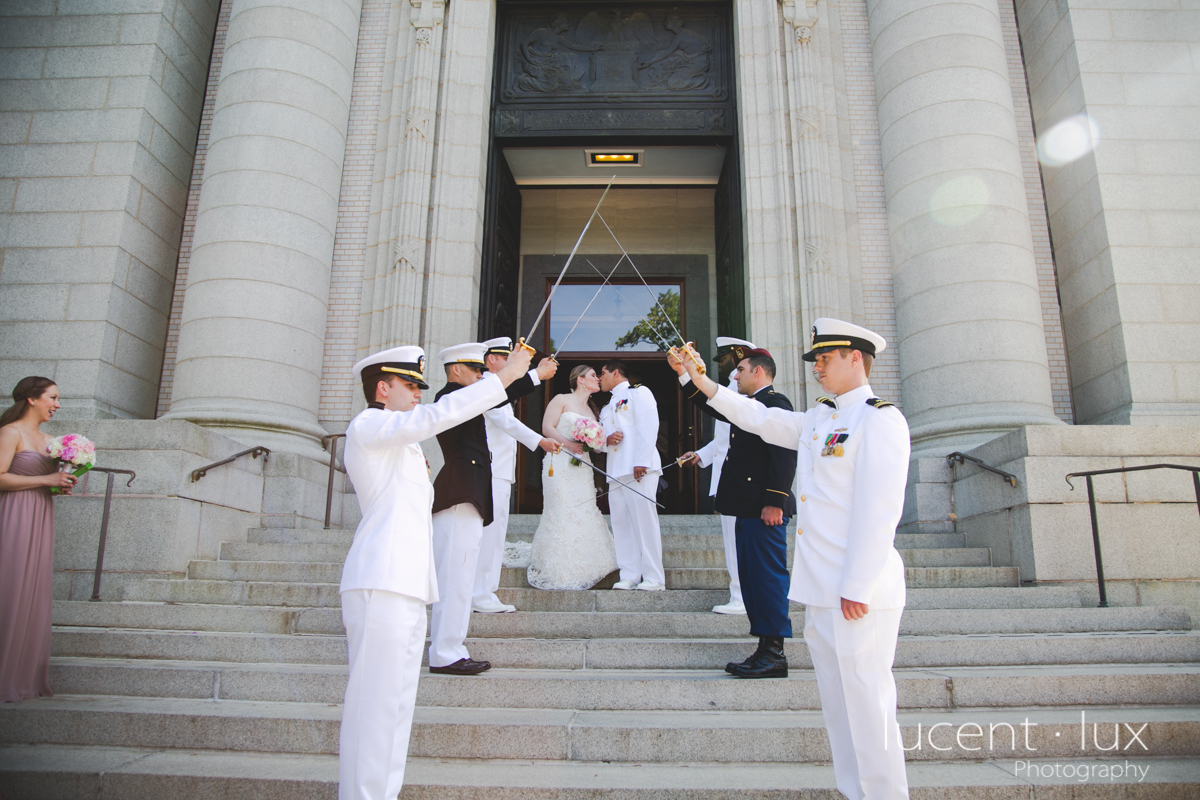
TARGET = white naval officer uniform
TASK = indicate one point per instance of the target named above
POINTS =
(388, 578)
(634, 412)
(714, 453)
(845, 549)
(504, 430)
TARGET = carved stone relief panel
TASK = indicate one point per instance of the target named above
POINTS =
(667, 69)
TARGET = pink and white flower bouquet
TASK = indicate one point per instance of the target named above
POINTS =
(75, 451)
(589, 434)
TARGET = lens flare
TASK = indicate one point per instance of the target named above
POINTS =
(1069, 140)
(959, 201)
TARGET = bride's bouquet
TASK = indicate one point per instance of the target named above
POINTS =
(589, 434)
(75, 451)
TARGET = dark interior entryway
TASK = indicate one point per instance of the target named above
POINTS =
(653, 80)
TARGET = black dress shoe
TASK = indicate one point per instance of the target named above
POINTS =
(464, 666)
(771, 662)
(732, 665)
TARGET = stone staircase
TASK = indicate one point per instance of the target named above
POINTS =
(228, 684)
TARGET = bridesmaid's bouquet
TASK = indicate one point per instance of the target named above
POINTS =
(589, 434)
(75, 451)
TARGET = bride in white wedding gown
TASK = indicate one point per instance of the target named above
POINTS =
(573, 547)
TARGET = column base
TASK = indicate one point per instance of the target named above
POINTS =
(936, 439)
(288, 436)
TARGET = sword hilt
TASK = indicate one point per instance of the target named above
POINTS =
(687, 347)
(521, 343)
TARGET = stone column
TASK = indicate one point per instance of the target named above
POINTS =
(253, 322)
(772, 266)
(972, 348)
(393, 300)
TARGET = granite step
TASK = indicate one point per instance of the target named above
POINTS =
(916, 577)
(514, 577)
(641, 690)
(710, 538)
(575, 735)
(612, 624)
(68, 772)
(1164, 647)
(704, 599)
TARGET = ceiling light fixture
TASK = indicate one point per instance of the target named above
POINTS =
(609, 158)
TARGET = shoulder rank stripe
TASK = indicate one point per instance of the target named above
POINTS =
(875, 401)
(827, 401)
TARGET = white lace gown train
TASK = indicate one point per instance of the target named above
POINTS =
(573, 547)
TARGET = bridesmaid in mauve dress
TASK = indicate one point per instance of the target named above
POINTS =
(27, 540)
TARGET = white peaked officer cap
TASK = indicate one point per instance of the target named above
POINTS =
(470, 353)
(729, 344)
(830, 334)
(407, 362)
(500, 346)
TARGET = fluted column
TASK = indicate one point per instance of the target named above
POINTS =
(400, 249)
(830, 270)
(253, 321)
(771, 259)
(968, 311)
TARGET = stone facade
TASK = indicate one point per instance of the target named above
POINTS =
(209, 210)
(100, 104)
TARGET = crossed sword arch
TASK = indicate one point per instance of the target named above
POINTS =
(687, 346)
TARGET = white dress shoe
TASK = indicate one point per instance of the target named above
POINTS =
(732, 607)
(625, 585)
(493, 608)
(650, 586)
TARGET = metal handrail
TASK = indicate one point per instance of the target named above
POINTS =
(1092, 508)
(108, 489)
(960, 457)
(331, 440)
(254, 452)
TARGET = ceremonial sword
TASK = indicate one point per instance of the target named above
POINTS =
(677, 462)
(687, 346)
(553, 289)
(614, 480)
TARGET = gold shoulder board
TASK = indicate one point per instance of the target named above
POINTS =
(875, 401)
(827, 401)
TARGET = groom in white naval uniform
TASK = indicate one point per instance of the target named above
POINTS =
(730, 351)
(504, 430)
(389, 575)
(852, 464)
(630, 422)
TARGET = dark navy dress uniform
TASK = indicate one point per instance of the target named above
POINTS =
(755, 475)
(467, 474)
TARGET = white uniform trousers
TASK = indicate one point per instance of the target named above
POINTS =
(853, 663)
(728, 525)
(385, 632)
(491, 548)
(635, 530)
(457, 532)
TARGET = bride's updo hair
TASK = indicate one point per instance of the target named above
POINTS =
(578, 373)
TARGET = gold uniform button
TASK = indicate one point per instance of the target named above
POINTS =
(802, 498)
(798, 531)
(814, 437)
(835, 416)
(747, 479)
(472, 461)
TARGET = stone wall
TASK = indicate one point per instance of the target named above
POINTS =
(99, 108)
(1148, 521)
(165, 519)
(1125, 218)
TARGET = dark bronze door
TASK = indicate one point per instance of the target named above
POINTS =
(731, 281)
(501, 252)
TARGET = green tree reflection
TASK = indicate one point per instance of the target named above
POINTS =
(656, 329)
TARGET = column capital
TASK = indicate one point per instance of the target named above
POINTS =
(802, 23)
